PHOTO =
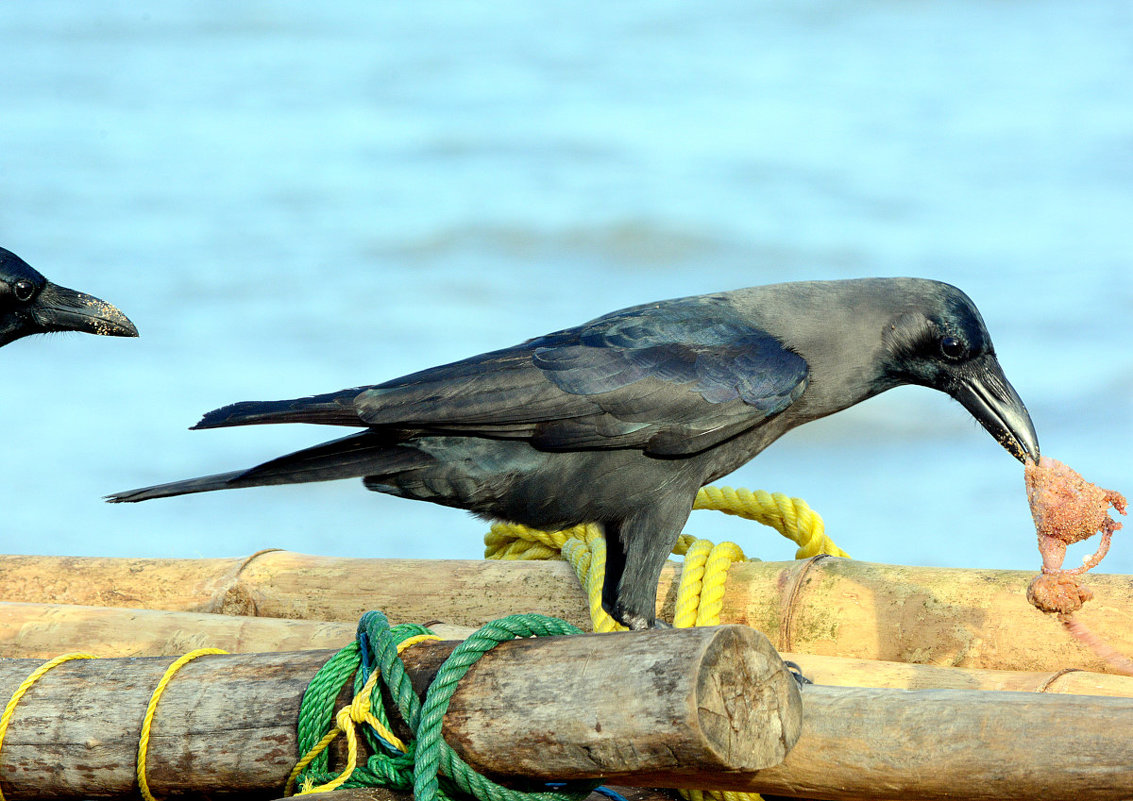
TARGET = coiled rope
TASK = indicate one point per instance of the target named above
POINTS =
(701, 592)
(426, 764)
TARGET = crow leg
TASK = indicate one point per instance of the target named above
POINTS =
(615, 569)
(636, 550)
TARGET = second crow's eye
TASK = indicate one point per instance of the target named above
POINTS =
(952, 348)
(23, 290)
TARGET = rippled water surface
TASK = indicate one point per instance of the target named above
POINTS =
(290, 199)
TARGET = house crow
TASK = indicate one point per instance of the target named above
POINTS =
(621, 420)
(30, 304)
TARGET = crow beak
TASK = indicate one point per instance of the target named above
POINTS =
(987, 395)
(60, 309)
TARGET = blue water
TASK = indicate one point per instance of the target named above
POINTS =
(290, 198)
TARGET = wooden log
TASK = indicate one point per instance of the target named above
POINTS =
(863, 743)
(223, 723)
(672, 705)
(825, 606)
(847, 672)
(859, 746)
(46, 630)
(190, 585)
(227, 723)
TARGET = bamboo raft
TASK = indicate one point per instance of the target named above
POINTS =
(929, 683)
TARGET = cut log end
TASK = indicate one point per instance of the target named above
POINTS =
(748, 703)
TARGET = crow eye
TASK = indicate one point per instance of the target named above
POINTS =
(23, 290)
(952, 348)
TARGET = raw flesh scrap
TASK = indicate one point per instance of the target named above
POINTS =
(1059, 592)
(1068, 509)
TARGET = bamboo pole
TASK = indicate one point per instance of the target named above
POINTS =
(226, 725)
(824, 606)
(46, 630)
(190, 585)
(673, 705)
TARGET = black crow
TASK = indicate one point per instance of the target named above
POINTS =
(621, 420)
(30, 304)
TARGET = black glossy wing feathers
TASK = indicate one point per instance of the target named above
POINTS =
(671, 378)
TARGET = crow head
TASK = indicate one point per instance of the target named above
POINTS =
(30, 304)
(942, 342)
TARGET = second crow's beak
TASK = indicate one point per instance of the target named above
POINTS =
(60, 309)
(985, 392)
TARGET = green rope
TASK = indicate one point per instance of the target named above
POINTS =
(317, 708)
(430, 767)
(433, 753)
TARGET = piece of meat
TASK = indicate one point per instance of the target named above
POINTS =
(1059, 592)
(1068, 509)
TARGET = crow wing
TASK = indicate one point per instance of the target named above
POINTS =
(671, 378)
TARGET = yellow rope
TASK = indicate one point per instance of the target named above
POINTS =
(720, 558)
(346, 721)
(700, 595)
(151, 710)
(692, 581)
(791, 517)
(25, 685)
(700, 599)
(587, 555)
(516, 541)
